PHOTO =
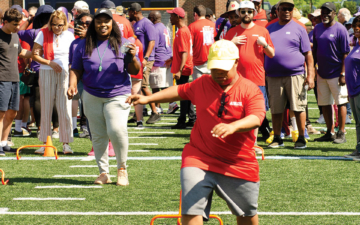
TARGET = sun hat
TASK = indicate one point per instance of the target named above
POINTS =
(222, 55)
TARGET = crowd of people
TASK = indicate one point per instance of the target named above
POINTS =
(242, 64)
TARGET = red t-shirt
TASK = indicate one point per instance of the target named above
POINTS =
(251, 61)
(260, 19)
(21, 63)
(203, 32)
(277, 19)
(140, 55)
(182, 43)
(232, 156)
(124, 25)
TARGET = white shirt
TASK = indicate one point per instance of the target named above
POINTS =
(61, 49)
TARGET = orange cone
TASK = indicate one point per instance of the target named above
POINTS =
(49, 152)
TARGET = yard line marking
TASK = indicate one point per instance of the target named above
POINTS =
(313, 108)
(88, 166)
(152, 132)
(48, 199)
(168, 118)
(4, 210)
(346, 128)
(70, 186)
(148, 137)
(67, 176)
(88, 158)
(166, 123)
(143, 144)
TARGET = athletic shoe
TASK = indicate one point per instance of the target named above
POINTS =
(159, 110)
(76, 132)
(276, 143)
(326, 137)
(153, 118)
(67, 149)
(283, 134)
(111, 152)
(336, 129)
(133, 119)
(179, 126)
(190, 123)
(300, 143)
(122, 179)
(348, 119)
(2, 153)
(55, 134)
(31, 125)
(258, 149)
(40, 150)
(85, 133)
(145, 112)
(103, 178)
(9, 149)
(321, 119)
(295, 135)
(312, 130)
(139, 124)
(22, 133)
(271, 138)
(354, 154)
(173, 107)
(340, 138)
(10, 143)
(306, 135)
(27, 129)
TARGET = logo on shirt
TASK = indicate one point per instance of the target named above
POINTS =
(255, 35)
(138, 28)
(208, 35)
(236, 103)
(16, 45)
(357, 51)
(288, 32)
(331, 35)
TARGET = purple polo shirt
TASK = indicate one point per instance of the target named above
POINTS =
(352, 70)
(73, 46)
(311, 36)
(145, 32)
(163, 49)
(113, 80)
(291, 41)
(226, 27)
(330, 45)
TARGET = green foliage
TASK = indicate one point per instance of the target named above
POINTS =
(305, 10)
(351, 6)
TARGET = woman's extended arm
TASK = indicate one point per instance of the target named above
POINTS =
(37, 49)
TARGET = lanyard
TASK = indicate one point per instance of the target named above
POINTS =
(101, 58)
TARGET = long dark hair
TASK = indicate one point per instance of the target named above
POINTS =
(356, 20)
(91, 39)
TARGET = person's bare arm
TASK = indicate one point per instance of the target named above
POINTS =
(310, 70)
(245, 124)
(148, 52)
(37, 49)
(168, 95)
(342, 77)
(269, 51)
(25, 54)
(184, 56)
(75, 76)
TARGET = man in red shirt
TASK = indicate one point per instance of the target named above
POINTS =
(219, 156)
(202, 33)
(182, 64)
(260, 19)
(253, 42)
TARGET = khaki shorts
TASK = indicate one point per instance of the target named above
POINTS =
(146, 73)
(329, 90)
(160, 77)
(283, 89)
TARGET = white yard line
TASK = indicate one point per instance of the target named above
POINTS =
(67, 176)
(143, 144)
(49, 199)
(152, 132)
(165, 123)
(346, 128)
(147, 137)
(88, 166)
(63, 186)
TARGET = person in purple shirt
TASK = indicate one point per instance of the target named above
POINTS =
(286, 78)
(330, 48)
(352, 71)
(104, 61)
(145, 32)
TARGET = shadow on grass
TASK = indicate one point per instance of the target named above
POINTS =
(38, 180)
(167, 149)
(31, 151)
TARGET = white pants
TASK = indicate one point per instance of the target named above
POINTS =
(53, 88)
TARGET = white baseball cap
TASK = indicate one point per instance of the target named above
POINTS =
(247, 5)
(81, 5)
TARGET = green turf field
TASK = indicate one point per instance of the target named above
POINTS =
(296, 185)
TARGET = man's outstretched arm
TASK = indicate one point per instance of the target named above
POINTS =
(168, 95)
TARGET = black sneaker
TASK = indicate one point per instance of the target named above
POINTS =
(179, 126)
(277, 142)
(300, 143)
(145, 113)
(153, 118)
(190, 123)
(132, 120)
(76, 132)
(9, 149)
(2, 153)
(340, 138)
(354, 154)
(139, 124)
(327, 137)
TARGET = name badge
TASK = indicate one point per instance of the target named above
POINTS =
(16, 45)
(288, 32)
(357, 51)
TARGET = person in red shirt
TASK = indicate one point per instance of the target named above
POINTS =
(219, 156)
(182, 63)
(202, 33)
(253, 41)
(260, 18)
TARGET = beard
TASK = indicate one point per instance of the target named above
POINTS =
(246, 21)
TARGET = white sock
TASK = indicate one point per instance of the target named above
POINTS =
(74, 120)
(18, 125)
(3, 143)
(293, 122)
(23, 124)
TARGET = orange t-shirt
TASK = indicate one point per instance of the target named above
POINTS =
(233, 155)
(251, 61)
(277, 19)
(140, 55)
(260, 19)
(203, 32)
(124, 25)
(182, 43)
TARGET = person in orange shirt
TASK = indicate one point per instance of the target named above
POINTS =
(260, 18)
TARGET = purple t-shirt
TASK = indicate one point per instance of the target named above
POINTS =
(163, 49)
(145, 32)
(330, 45)
(113, 80)
(352, 70)
(29, 37)
(226, 27)
(291, 41)
(311, 36)
(73, 46)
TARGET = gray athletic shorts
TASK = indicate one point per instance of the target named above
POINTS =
(9, 95)
(197, 188)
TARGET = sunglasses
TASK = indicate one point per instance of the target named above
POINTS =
(58, 25)
(223, 101)
(83, 23)
(244, 11)
(284, 9)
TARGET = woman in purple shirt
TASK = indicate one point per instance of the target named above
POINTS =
(104, 71)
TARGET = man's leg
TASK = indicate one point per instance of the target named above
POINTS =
(342, 116)
(247, 220)
(184, 105)
(7, 122)
(191, 220)
(277, 122)
(300, 121)
(2, 117)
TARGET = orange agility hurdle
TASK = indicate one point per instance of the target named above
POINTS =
(178, 216)
(35, 146)
(3, 177)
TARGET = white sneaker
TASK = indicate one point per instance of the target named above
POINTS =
(55, 134)
(321, 119)
(173, 107)
(67, 149)
(348, 119)
(40, 150)
(159, 110)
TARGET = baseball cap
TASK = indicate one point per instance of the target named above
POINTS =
(209, 12)
(18, 7)
(286, 1)
(246, 4)
(222, 55)
(178, 11)
(136, 7)
(120, 10)
(107, 4)
(81, 5)
(316, 13)
(103, 11)
(350, 21)
(329, 5)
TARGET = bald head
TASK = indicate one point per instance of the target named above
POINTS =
(155, 17)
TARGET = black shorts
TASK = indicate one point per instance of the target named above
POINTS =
(9, 95)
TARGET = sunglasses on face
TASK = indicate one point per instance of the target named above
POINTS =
(83, 23)
(58, 25)
(244, 11)
(223, 101)
(284, 9)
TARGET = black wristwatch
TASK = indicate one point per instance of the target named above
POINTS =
(146, 58)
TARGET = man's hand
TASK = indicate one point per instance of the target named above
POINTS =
(239, 40)
(137, 99)
(309, 81)
(177, 75)
(223, 130)
(342, 80)
(261, 41)
(72, 91)
(168, 62)
(80, 31)
(55, 67)
(144, 63)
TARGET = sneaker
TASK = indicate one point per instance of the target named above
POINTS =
(179, 126)
(133, 119)
(271, 138)
(139, 124)
(153, 118)
(306, 135)
(103, 178)
(258, 149)
(76, 132)
(190, 123)
(295, 135)
(340, 138)
(38, 134)
(67, 149)
(27, 129)
(40, 150)
(354, 154)
(122, 179)
(326, 137)
(159, 110)
(22, 133)
(2, 153)
(173, 107)
(10, 143)
(9, 149)
(321, 119)
(277, 142)
(312, 130)
(84, 134)
(300, 143)
(348, 119)
(31, 125)
(55, 134)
